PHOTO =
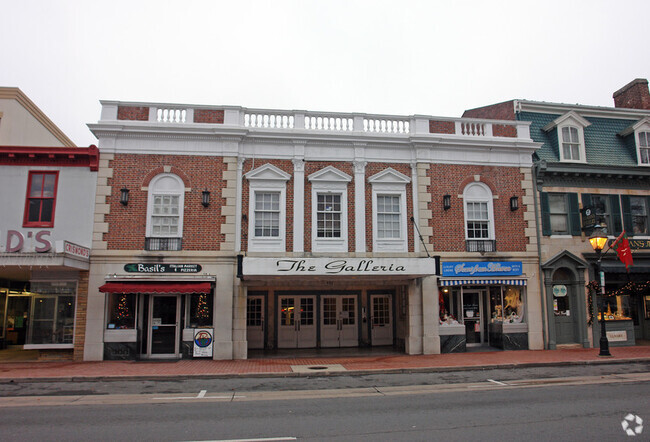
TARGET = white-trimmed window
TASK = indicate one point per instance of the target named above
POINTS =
(165, 203)
(328, 215)
(644, 147)
(570, 136)
(267, 213)
(479, 217)
(570, 143)
(389, 216)
(329, 195)
(389, 220)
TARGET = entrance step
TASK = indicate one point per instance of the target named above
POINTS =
(567, 346)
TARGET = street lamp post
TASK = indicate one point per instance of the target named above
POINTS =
(598, 241)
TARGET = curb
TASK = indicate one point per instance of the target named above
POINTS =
(364, 372)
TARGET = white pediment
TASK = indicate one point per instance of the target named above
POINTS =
(568, 118)
(641, 124)
(330, 174)
(268, 172)
(389, 176)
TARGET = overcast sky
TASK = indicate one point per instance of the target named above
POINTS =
(396, 57)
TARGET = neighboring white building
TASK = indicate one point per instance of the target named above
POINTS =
(47, 201)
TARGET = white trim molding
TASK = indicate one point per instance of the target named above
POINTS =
(267, 179)
(329, 181)
(390, 182)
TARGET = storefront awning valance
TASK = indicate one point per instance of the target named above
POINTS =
(156, 287)
(455, 281)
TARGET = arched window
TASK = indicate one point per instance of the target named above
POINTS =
(165, 212)
(479, 218)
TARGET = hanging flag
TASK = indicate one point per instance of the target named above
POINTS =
(622, 247)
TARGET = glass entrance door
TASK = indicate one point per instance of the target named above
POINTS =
(339, 321)
(163, 326)
(297, 322)
(473, 316)
(381, 320)
(17, 319)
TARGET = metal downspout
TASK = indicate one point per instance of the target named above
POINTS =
(542, 286)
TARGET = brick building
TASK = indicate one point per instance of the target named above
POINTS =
(269, 229)
(46, 199)
(593, 169)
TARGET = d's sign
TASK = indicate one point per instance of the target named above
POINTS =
(16, 241)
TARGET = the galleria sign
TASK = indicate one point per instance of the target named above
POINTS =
(343, 266)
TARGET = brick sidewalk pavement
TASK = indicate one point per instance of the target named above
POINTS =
(359, 364)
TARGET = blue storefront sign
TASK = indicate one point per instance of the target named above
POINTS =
(482, 268)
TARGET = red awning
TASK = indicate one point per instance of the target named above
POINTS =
(156, 287)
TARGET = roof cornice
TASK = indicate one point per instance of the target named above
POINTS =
(13, 93)
(582, 110)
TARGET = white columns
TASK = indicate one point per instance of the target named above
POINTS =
(360, 206)
(299, 209)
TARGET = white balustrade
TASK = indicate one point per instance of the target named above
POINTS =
(386, 126)
(171, 115)
(471, 128)
(337, 124)
(269, 120)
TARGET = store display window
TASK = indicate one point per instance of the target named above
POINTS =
(53, 308)
(200, 312)
(617, 308)
(506, 304)
(121, 311)
(647, 306)
(448, 306)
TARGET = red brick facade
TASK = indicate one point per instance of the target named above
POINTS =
(214, 116)
(634, 95)
(499, 111)
(136, 113)
(503, 130)
(442, 127)
(449, 225)
(201, 225)
(80, 316)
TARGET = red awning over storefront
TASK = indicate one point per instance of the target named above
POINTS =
(156, 287)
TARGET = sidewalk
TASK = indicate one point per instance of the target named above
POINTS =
(35, 371)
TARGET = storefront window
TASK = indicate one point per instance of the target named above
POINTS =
(618, 308)
(506, 304)
(52, 318)
(448, 313)
(200, 310)
(647, 306)
(121, 311)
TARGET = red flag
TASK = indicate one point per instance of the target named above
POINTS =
(622, 247)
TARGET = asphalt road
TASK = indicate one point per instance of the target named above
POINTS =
(499, 412)
(550, 403)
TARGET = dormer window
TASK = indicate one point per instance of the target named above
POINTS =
(570, 143)
(641, 133)
(644, 147)
(570, 136)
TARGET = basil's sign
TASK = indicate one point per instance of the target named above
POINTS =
(161, 268)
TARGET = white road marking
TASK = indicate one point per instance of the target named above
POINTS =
(202, 394)
(263, 439)
(497, 382)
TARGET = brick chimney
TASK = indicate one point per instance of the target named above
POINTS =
(633, 95)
